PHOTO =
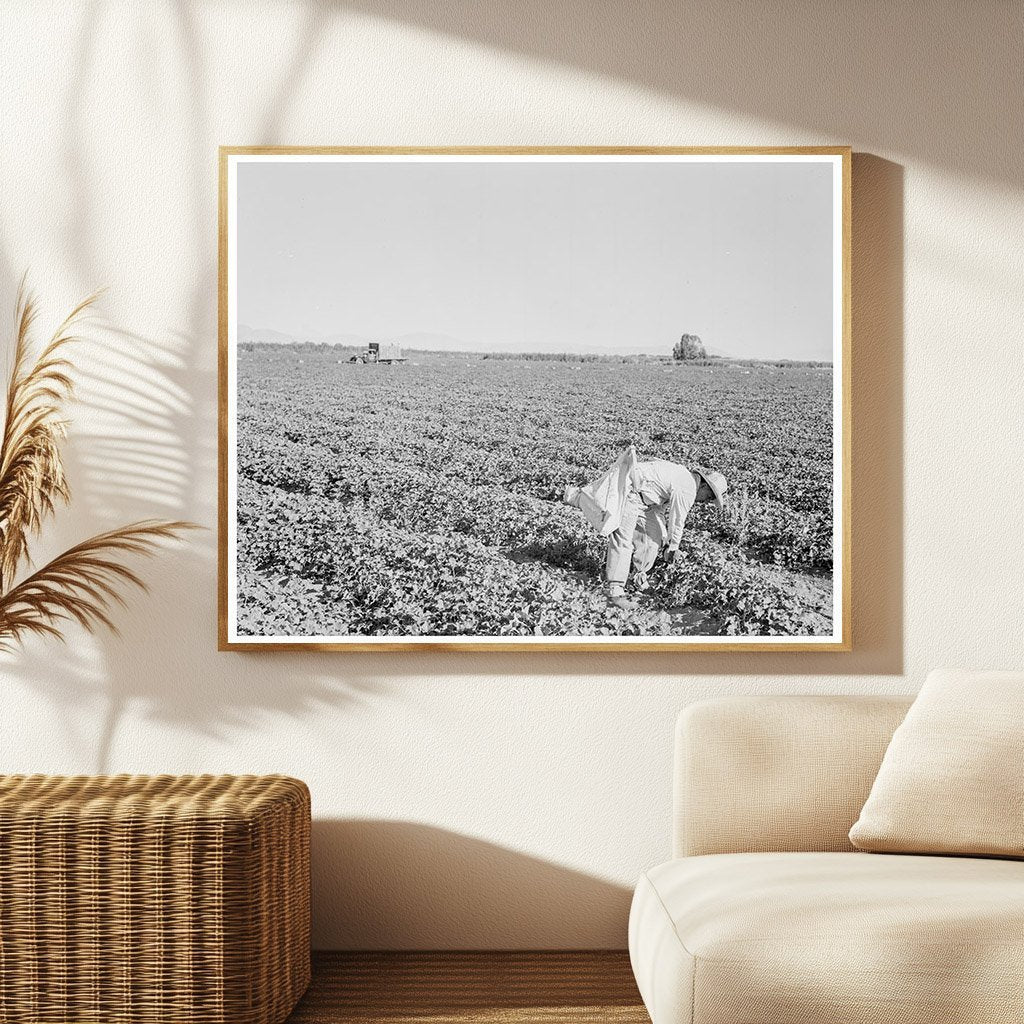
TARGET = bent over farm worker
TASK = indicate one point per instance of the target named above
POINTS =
(659, 491)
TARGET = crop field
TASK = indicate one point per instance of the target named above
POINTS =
(424, 499)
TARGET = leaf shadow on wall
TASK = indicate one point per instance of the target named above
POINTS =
(902, 78)
(405, 885)
(147, 447)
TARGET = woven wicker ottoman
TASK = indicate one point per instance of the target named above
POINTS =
(136, 900)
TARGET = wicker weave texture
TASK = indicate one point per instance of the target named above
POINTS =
(144, 899)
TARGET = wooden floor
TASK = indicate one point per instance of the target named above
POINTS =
(465, 988)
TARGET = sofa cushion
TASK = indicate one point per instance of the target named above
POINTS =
(790, 938)
(756, 774)
(950, 781)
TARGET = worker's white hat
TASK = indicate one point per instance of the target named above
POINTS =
(716, 482)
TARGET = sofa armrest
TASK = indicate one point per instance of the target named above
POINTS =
(759, 774)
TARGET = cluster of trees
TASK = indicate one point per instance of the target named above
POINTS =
(689, 346)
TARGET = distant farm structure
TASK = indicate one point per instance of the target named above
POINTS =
(380, 352)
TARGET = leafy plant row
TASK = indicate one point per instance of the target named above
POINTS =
(424, 499)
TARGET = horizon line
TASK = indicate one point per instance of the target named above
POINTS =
(554, 355)
(550, 353)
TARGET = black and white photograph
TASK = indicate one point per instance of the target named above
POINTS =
(534, 398)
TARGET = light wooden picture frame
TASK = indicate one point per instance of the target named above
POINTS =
(553, 398)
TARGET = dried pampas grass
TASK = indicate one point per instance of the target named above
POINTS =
(83, 583)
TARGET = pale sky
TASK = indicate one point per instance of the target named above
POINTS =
(595, 257)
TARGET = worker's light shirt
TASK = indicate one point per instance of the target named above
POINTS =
(663, 483)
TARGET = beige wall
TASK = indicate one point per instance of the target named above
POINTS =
(486, 800)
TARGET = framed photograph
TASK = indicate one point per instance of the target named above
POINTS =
(535, 398)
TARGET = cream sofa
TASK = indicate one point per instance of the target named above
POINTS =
(769, 916)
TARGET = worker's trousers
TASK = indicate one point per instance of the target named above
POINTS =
(628, 544)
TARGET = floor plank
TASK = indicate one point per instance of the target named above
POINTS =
(471, 988)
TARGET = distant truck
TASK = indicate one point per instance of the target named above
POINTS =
(380, 352)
